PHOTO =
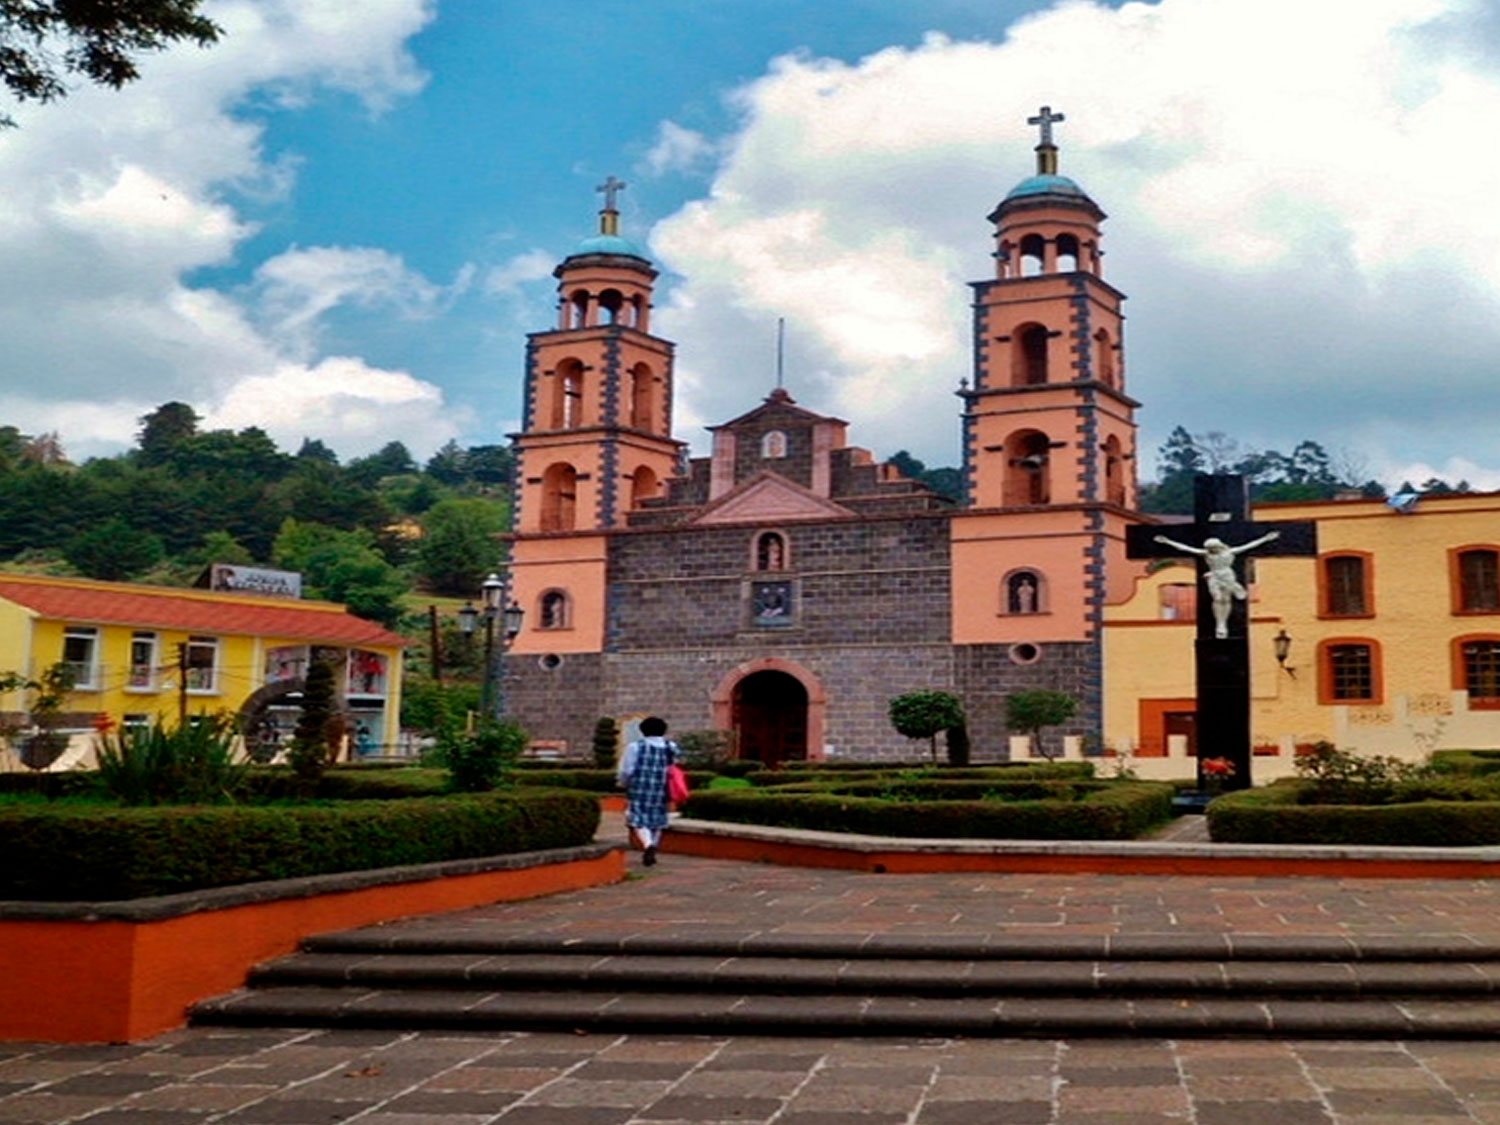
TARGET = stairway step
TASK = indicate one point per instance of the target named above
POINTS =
(469, 1009)
(1012, 947)
(917, 977)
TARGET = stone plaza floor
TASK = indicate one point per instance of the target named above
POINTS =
(424, 1078)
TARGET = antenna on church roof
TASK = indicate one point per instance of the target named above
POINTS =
(1046, 152)
(780, 350)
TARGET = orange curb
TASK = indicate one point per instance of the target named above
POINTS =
(109, 981)
(896, 862)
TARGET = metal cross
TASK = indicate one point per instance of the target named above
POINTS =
(609, 187)
(1045, 119)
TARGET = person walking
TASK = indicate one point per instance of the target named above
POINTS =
(643, 776)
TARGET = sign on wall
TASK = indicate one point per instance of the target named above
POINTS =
(256, 580)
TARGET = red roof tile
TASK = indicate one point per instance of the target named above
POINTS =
(159, 607)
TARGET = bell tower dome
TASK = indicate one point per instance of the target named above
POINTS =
(1047, 420)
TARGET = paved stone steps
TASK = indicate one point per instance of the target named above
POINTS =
(403, 977)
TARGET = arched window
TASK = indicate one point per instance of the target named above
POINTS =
(559, 497)
(1029, 356)
(580, 301)
(640, 396)
(1026, 468)
(1104, 358)
(567, 395)
(1348, 670)
(1033, 255)
(643, 485)
(1114, 472)
(554, 611)
(1345, 585)
(1476, 580)
(773, 445)
(1067, 253)
(1024, 592)
(770, 551)
(611, 301)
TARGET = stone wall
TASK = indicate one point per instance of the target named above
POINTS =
(986, 675)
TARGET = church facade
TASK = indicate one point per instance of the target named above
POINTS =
(788, 585)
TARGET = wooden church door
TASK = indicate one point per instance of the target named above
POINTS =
(770, 718)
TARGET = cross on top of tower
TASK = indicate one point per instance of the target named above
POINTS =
(1046, 118)
(610, 188)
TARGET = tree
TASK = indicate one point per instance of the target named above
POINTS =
(1030, 711)
(460, 545)
(342, 566)
(489, 464)
(606, 743)
(113, 550)
(1179, 461)
(392, 460)
(448, 465)
(164, 428)
(43, 41)
(318, 724)
(922, 714)
(314, 450)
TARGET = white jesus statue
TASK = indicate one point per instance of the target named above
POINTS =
(1223, 585)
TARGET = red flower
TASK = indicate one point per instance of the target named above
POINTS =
(103, 724)
(1218, 767)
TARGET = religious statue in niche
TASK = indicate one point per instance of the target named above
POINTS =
(771, 603)
(1223, 584)
(1023, 594)
(771, 552)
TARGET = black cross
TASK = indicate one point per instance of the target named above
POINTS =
(1221, 513)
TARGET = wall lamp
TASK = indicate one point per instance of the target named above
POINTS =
(1283, 646)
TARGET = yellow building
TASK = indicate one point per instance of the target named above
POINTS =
(1391, 639)
(139, 653)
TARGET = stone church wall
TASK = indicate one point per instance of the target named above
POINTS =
(985, 675)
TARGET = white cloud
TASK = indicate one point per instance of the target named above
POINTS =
(533, 265)
(113, 199)
(677, 149)
(1302, 217)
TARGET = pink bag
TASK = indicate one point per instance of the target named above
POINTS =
(677, 784)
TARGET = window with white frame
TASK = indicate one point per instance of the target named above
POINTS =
(81, 655)
(142, 675)
(201, 664)
(136, 722)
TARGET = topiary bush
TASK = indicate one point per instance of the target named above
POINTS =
(1424, 813)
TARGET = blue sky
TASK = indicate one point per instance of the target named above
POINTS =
(341, 221)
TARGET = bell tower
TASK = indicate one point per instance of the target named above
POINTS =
(596, 431)
(1046, 420)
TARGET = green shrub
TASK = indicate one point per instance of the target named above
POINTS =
(478, 761)
(706, 749)
(1476, 762)
(1438, 814)
(310, 749)
(189, 763)
(66, 853)
(606, 744)
(1082, 811)
(348, 783)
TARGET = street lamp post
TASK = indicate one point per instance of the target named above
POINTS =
(510, 615)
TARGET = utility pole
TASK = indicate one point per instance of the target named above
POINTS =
(182, 684)
(437, 648)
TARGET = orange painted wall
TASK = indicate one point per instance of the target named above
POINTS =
(573, 563)
(988, 545)
(111, 981)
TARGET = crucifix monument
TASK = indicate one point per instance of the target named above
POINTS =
(1220, 533)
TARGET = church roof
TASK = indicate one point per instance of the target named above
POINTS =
(769, 496)
(781, 402)
(1043, 184)
(609, 244)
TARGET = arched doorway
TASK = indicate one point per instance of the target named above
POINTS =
(770, 718)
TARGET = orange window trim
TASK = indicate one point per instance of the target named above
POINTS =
(1325, 672)
(1151, 726)
(1460, 679)
(1325, 593)
(1456, 582)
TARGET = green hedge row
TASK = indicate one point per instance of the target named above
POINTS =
(1278, 814)
(71, 853)
(1476, 762)
(1104, 811)
(841, 773)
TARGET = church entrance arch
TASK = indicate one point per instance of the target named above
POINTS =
(776, 710)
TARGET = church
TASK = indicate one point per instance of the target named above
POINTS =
(789, 584)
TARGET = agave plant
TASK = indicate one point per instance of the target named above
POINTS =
(190, 763)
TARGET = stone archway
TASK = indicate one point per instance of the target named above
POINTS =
(777, 710)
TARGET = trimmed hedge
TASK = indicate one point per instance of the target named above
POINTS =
(842, 773)
(1475, 762)
(1080, 811)
(1280, 814)
(72, 853)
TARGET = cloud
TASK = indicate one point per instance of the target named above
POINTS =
(507, 279)
(1297, 218)
(677, 149)
(115, 199)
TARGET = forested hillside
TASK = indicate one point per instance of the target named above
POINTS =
(364, 533)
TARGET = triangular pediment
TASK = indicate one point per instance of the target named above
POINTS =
(769, 498)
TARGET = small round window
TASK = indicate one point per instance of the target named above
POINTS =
(551, 662)
(1025, 653)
